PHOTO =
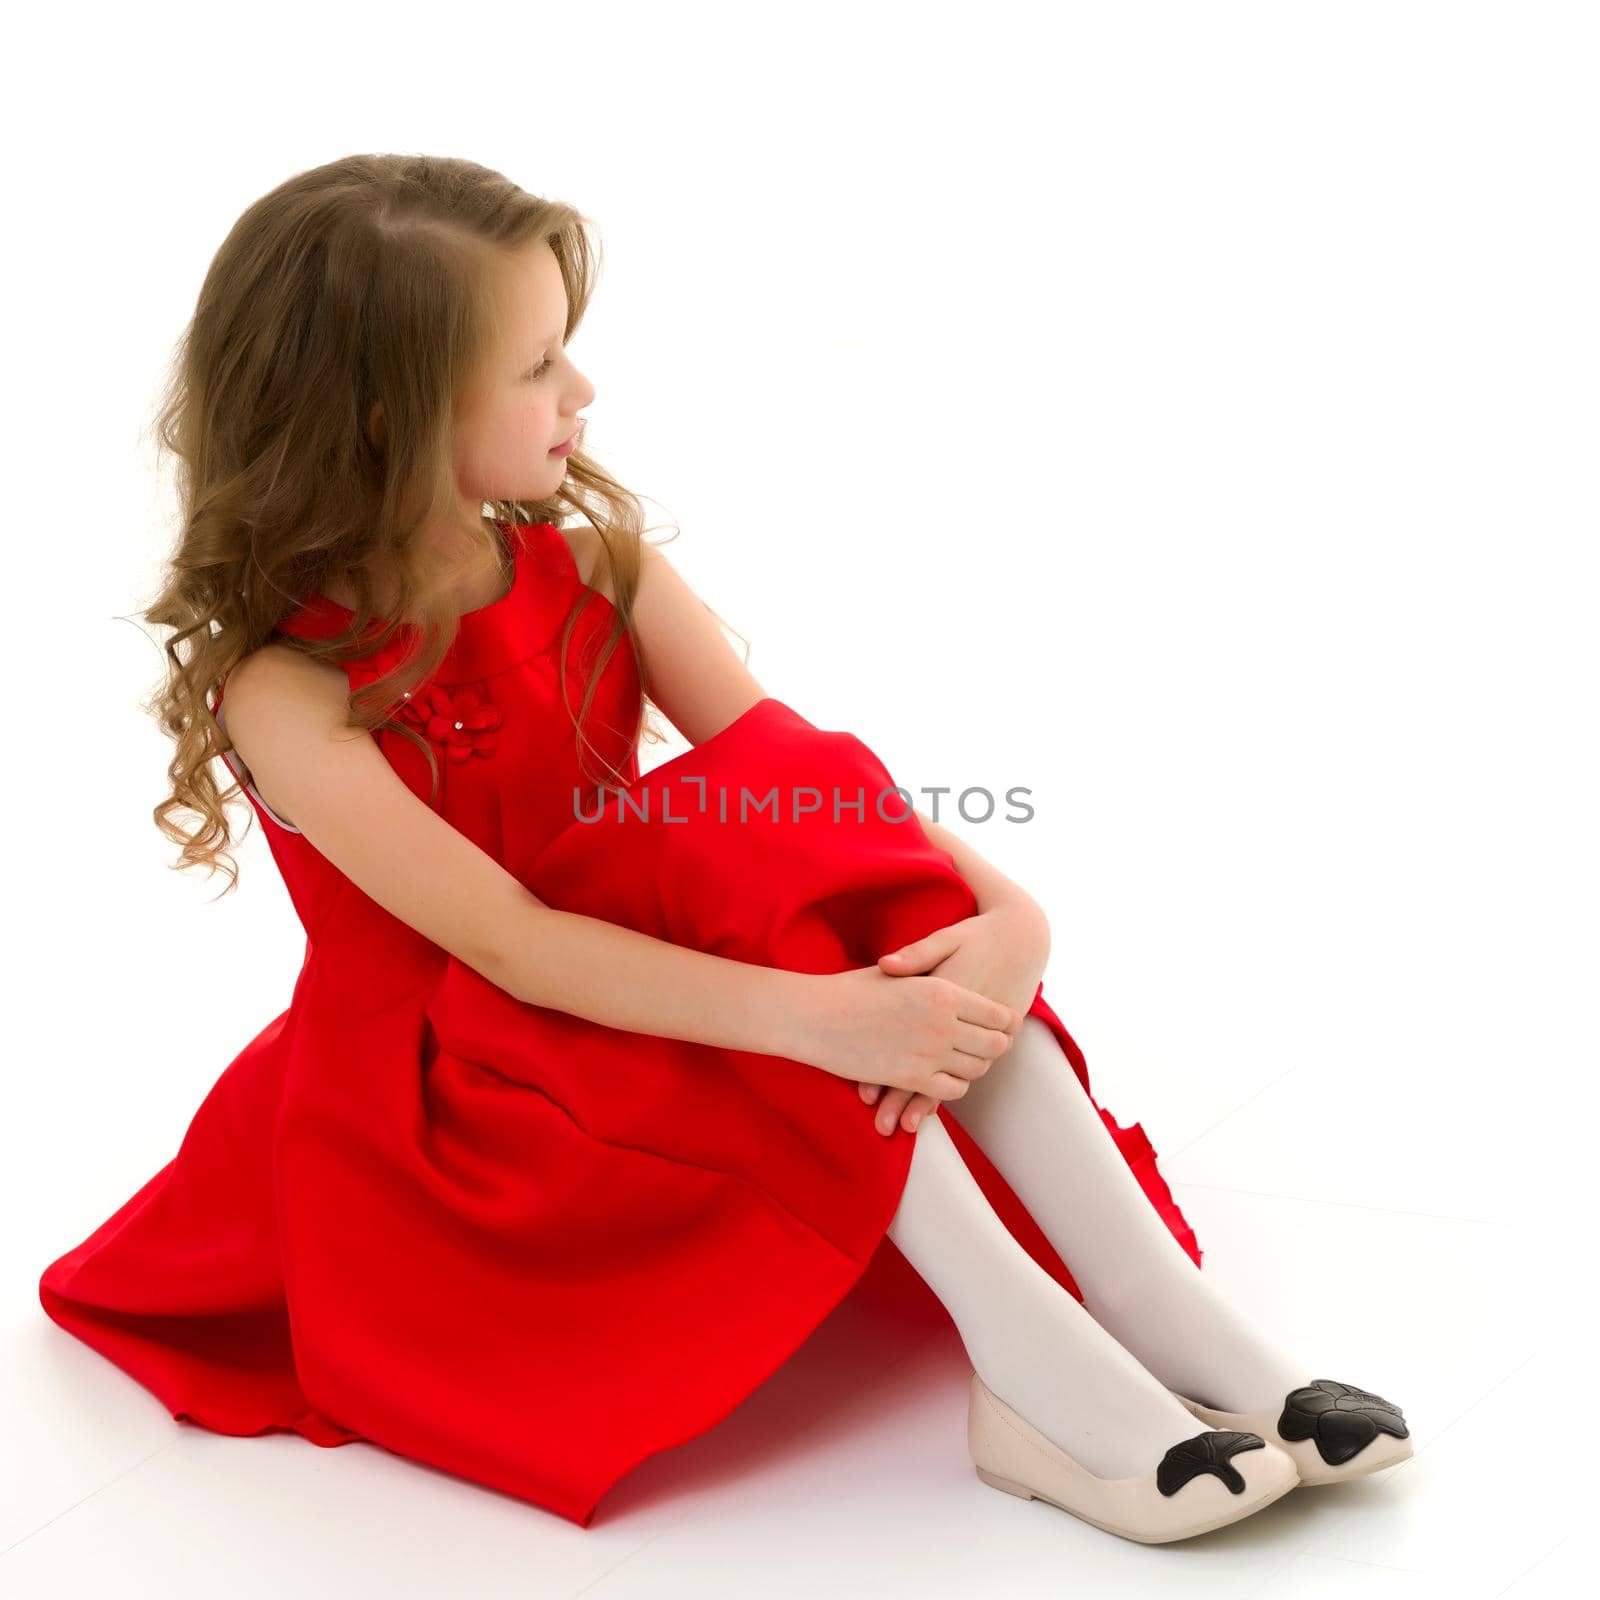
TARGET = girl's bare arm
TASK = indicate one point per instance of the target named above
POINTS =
(988, 883)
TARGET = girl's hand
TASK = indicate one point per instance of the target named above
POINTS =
(1000, 952)
(925, 1035)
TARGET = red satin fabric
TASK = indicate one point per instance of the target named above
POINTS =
(516, 1245)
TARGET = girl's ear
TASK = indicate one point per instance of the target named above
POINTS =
(375, 424)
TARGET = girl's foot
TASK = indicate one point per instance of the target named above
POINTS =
(1202, 1482)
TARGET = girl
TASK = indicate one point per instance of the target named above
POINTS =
(554, 1155)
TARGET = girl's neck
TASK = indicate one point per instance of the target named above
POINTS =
(482, 582)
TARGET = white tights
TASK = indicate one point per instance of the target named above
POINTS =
(1093, 1377)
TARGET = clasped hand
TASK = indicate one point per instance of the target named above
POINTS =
(1000, 953)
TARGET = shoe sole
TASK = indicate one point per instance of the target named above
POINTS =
(1022, 1491)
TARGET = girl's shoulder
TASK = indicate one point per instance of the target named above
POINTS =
(583, 544)
(280, 666)
(274, 681)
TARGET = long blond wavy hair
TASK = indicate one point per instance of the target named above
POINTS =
(361, 281)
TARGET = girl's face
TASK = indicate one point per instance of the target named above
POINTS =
(528, 396)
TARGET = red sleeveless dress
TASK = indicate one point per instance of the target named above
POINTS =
(503, 1240)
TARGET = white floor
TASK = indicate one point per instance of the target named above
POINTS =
(1402, 1249)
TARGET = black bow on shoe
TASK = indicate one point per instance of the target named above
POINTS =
(1342, 1419)
(1206, 1452)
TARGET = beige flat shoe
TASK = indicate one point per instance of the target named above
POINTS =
(1214, 1478)
(1332, 1430)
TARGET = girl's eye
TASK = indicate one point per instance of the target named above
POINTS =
(540, 370)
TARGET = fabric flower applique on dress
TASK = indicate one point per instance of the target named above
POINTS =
(461, 717)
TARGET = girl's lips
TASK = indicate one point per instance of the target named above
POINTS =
(567, 448)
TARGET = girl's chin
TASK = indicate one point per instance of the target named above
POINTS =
(537, 491)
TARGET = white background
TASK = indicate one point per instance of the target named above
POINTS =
(1187, 412)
